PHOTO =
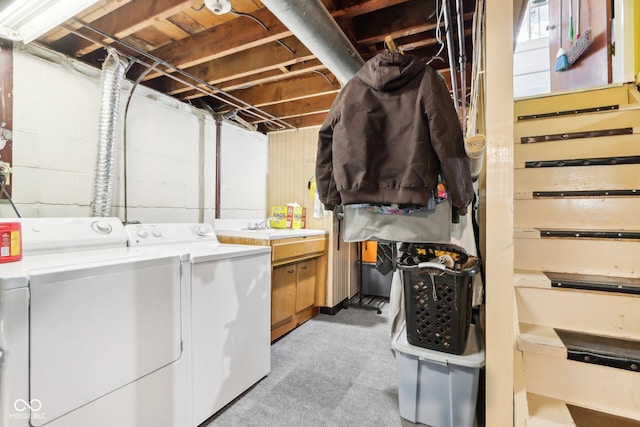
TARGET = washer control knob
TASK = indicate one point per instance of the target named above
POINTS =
(143, 233)
(202, 230)
(102, 227)
(156, 232)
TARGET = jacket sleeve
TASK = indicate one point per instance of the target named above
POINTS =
(447, 139)
(325, 182)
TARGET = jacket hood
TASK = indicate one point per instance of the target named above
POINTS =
(388, 71)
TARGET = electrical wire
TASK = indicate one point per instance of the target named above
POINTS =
(4, 190)
(438, 34)
(247, 15)
(263, 25)
(124, 137)
(203, 86)
(323, 75)
(3, 122)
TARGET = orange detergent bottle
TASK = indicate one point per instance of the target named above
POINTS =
(10, 241)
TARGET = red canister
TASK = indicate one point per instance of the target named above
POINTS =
(10, 241)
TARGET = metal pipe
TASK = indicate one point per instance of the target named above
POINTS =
(463, 65)
(312, 24)
(218, 119)
(110, 85)
(451, 54)
(206, 88)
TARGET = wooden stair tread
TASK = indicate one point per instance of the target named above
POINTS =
(584, 417)
(608, 351)
(541, 340)
(629, 285)
(561, 101)
(547, 412)
(584, 124)
(546, 233)
(530, 279)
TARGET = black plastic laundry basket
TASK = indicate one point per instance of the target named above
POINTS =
(438, 304)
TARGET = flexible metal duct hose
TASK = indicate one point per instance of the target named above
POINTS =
(312, 24)
(110, 85)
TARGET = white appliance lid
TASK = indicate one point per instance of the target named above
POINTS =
(201, 253)
(55, 235)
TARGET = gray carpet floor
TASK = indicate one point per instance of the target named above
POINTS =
(331, 371)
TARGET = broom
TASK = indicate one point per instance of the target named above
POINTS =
(562, 63)
(582, 43)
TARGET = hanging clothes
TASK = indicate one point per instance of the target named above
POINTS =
(390, 131)
(384, 257)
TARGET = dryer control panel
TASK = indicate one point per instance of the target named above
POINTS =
(167, 233)
(55, 235)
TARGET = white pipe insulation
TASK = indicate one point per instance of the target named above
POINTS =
(110, 85)
(312, 24)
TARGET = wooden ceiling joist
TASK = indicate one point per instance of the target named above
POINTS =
(301, 107)
(265, 77)
(288, 90)
(234, 61)
(250, 62)
(225, 39)
(129, 19)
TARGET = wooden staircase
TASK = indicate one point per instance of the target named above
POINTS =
(577, 258)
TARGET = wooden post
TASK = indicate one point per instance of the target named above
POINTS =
(500, 307)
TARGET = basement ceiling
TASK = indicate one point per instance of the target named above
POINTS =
(246, 61)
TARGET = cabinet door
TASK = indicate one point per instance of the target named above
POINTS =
(593, 68)
(306, 289)
(283, 293)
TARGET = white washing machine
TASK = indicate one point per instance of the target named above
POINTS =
(231, 311)
(92, 333)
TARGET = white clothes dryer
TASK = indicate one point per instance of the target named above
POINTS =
(231, 311)
(93, 333)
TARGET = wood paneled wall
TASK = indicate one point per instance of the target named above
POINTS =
(292, 163)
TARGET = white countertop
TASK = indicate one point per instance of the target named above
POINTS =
(270, 233)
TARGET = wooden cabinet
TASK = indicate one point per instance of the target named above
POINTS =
(306, 285)
(283, 293)
(298, 278)
(293, 290)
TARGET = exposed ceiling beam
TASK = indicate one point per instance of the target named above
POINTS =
(262, 78)
(420, 41)
(250, 62)
(129, 19)
(100, 9)
(307, 121)
(288, 90)
(225, 39)
(301, 107)
(380, 26)
(363, 7)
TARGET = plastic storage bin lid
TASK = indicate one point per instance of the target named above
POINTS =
(473, 356)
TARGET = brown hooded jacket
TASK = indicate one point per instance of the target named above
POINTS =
(391, 130)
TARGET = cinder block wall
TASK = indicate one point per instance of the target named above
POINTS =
(170, 151)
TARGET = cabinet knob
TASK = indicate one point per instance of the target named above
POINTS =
(304, 267)
(290, 271)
